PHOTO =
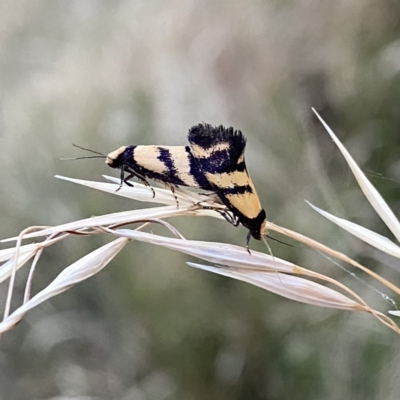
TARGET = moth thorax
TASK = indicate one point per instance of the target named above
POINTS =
(115, 158)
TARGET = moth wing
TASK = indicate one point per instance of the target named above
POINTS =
(168, 164)
(182, 167)
(237, 192)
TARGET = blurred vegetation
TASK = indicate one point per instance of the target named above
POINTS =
(103, 74)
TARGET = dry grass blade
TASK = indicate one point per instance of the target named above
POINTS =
(219, 253)
(8, 267)
(189, 203)
(25, 253)
(302, 290)
(124, 217)
(7, 254)
(373, 196)
(181, 193)
(264, 271)
(75, 273)
(233, 257)
(289, 286)
(327, 250)
(140, 192)
(368, 236)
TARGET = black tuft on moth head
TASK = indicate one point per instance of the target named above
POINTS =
(208, 136)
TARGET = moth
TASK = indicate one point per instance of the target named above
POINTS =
(213, 161)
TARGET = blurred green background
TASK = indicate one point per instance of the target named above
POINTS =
(108, 73)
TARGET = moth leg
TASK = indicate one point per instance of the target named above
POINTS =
(133, 174)
(145, 183)
(247, 242)
(172, 188)
(235, 220)
(227, 215)
(230, 217)
(125, 180)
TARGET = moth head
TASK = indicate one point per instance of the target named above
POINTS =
(260, 232)
(116, 159)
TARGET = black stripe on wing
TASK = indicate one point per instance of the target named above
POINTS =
(235, 190)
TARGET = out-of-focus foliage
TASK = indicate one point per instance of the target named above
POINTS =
(107, 73)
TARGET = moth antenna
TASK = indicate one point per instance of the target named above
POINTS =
(272, 255)
(92, 151)
(279, 241)
(268, 247)
(80, 158)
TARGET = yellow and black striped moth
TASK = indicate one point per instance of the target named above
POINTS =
(214, 161)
